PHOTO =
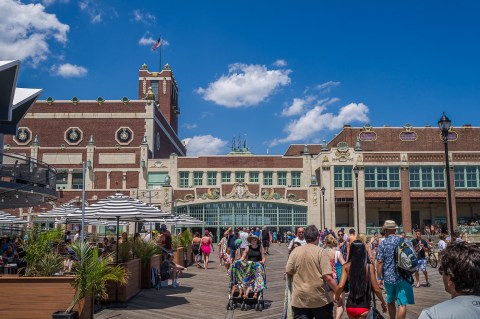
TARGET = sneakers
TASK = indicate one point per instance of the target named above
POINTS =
(174, 285)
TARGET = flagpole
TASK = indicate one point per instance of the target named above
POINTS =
(160, 70)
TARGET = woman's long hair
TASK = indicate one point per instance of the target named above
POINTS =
(356, 275)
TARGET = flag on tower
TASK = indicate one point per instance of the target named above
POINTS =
(157, 44)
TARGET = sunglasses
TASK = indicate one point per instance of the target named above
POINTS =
(301, 232)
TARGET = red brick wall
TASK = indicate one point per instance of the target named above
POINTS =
(237, 162)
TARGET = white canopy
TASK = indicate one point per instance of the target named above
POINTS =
(6, 218)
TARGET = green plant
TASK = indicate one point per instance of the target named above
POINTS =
(50, 264)
(125, 251)
(92, 273)
(37, 246)
(185, 240)
(145, 250)
(175, 242)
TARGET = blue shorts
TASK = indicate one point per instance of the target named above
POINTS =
(422, 265)
(401, 292)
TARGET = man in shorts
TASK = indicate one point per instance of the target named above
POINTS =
(398, 290)
(421, 247)
(299, 239)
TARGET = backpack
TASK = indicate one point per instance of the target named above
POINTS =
(405, 261)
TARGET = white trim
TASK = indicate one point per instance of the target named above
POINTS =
(155, 78)
(169, 136)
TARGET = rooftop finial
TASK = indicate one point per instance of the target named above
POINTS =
(324, 145)
(358, 147)
(91, 141)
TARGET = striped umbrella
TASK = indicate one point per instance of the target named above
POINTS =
(6, 218)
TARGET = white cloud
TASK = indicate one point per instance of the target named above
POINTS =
(204, 145)
(144, 17)
(297, 107)
(189, 126)
(327, 86)
(245, 85)
(316, 120)
(96, 12)
(148, 40)
(280, 63)
(50, 2)
(68, 70)
(25, 30)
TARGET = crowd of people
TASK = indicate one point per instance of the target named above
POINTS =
(323, 267)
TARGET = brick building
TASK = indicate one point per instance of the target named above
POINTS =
(132, 146)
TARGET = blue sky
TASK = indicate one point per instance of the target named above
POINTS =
(277, 72)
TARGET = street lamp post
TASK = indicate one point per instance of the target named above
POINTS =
(322, 217)
(356, 170)
(444, 124)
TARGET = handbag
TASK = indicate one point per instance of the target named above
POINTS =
(373, 313)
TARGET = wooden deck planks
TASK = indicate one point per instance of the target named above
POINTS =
(204, 293)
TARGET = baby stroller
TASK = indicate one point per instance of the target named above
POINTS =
(244, 275)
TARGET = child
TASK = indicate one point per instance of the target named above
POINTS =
(227, 259)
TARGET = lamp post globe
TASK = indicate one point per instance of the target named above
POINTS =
(444, 124)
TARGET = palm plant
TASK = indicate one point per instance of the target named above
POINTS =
(185, 240)
(92, 273)
(145, 250)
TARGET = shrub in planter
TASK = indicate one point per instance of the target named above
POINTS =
(40, 255)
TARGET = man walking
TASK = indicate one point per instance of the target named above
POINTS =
(397, 288)
(421, 247)
(312, 277)
(266, 239)
(460, 273)
(299, 239)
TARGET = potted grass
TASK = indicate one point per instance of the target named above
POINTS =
(91, 274)
(146, 251)
(185, 240)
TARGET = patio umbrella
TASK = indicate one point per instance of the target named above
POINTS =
(59, 213)
(119, 207)
(6, 218)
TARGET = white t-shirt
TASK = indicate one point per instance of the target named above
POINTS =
(442, 244)
(244, 238)
(296, 240)
(459, 307)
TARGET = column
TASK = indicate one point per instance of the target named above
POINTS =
(361, 201)
(406, 200)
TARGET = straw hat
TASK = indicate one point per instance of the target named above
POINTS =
(390, 224)
(252, 237)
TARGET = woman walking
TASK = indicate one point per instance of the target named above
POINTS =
(222, 247)
(361, 276)
(206, 243)
(196, 242)
(336, 261)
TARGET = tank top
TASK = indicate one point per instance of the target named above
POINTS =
(365, 300)
(332, 264)
(265, 236)
(254, 254)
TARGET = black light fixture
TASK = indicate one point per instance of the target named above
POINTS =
(444, 124)
(322, 217)
(356, 170)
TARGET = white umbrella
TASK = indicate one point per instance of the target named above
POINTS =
(6, 218)
(59, 211)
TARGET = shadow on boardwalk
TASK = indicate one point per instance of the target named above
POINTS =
(203, 294)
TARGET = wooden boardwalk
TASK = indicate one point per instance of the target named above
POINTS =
(203, 294)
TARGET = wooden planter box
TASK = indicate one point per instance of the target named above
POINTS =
(125, 293)
(178, 256)
(146, 271)
(38, 297)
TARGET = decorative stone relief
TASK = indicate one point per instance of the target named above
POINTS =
(144, 86)
(269, 194)
(212, 193)
(164, 86)
(342, 154)
(240, 191)
(23, 136)
(293, 198)
(314, 196)
(186, 198)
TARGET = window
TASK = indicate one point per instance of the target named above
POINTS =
(342, 176)
(427, 177)
(382, 177)
(212, 178)
(156, 180)
(467, 176)
(62, 180)
(239, 177)
(183, 180)
(77, 180)
(282, 178)
(253, 177)
(267, 178)
(197, 178)
(154, 85)
(226, 177)
(296, 179)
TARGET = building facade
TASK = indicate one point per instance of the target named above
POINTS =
(132, 146)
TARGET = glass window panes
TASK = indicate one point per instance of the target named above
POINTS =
(226, 177)
(296, 179)
(467, 176)
(183, 179)
(253, 177)
(156, 180)
(77, 180)
(61, 180)
(282, 178)
(342, 176)
(154, 85)
(267, 178)
(212, 178)
(239, 177)
(197, 178)
(382, 177)
(427, 177)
